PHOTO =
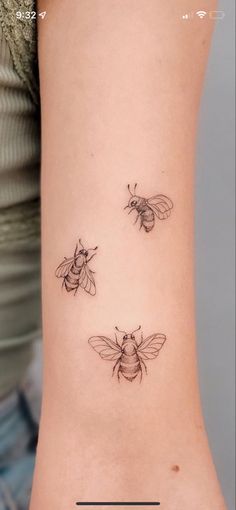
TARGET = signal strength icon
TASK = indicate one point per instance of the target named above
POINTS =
(201, 14)
(187, 16)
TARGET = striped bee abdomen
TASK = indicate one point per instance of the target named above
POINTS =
(147, 218)
(72, 279)
(129, 366)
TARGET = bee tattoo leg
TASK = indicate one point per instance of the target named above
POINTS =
(91, 257)
(137, 217)
(141, 374)
(114, 368)
(131, 210)
(145, 367)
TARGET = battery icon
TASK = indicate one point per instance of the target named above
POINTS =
(216, 14)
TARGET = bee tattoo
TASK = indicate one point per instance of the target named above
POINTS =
(76, 272)
(130, 354)
(147, 209)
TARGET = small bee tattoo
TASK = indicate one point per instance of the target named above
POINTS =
(76, 272)
(130, 354)
(147, 208)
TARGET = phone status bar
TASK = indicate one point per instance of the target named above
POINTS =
(215, 15)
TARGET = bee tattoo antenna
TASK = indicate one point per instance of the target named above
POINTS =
(130, 192)
(136, 330)
(81, 244)
(120, 330)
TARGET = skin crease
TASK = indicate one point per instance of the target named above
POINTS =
(121, 84)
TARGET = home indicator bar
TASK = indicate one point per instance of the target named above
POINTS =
(118, 503)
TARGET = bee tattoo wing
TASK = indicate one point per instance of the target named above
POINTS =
(150, 348)
(64, 268)
(161, 206)
(105, 347)
(86, 280)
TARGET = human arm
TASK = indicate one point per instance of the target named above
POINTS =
(120, 90)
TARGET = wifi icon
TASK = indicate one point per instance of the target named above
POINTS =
(201, 14)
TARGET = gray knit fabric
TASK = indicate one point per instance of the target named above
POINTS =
(19, 127)
(19, 193)
(21, 37)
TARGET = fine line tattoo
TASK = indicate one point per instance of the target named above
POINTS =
(130, 354)
(76, 272)
(147, 208)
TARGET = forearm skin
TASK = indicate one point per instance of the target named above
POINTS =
(120, 88)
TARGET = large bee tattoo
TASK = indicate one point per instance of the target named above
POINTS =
(147, 209)
(76, 272)
(129, 354)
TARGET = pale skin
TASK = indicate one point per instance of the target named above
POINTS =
(121, 84)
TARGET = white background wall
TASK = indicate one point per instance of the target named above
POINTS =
(215, 248)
